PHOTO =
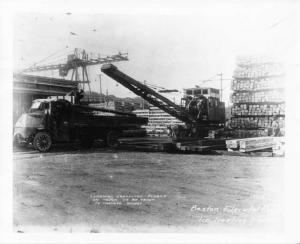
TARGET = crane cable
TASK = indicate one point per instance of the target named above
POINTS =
(61, 57)
(153, 86)
(51, 55)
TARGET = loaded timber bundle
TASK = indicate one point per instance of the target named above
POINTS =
(253, 84)
(249, 133)
(276, 96)
(257, 67)
(258, 109)
(257, 122)
(258, 95)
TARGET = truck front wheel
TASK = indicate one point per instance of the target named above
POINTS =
(112, 139)
(42, 141)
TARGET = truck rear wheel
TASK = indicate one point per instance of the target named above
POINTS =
(112, 139)
(42, 141)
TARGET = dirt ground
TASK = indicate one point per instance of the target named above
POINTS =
(101, 190)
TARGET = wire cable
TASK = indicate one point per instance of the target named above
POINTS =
(59, 57)
(51, 55)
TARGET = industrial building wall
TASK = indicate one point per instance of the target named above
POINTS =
(26, 88)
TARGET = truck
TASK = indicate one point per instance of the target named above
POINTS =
(50, 121)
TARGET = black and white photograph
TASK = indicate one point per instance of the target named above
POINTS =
(150, 117)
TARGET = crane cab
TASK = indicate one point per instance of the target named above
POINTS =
(204, 103)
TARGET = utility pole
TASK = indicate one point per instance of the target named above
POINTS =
(100, 87)
(143, 98)
(221, 91)
(106, 97)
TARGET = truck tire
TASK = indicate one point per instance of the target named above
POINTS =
(42, 141)
(112, 139)
(86, 142)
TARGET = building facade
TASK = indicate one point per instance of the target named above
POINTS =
(27, 88)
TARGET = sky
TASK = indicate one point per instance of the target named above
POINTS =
(172, 50)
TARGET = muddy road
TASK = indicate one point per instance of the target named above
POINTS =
(103, 190)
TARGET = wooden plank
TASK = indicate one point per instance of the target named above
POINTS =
(195, 148)
(256, 144)
(258, 148)
(232, 144)
(250, 144)
(202, 142)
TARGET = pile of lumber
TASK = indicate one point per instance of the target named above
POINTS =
(251, 144)
(258, 109)
(256, 122)
(118, 105)
(252, 84)
(240, 133)
(147, 144)
(159, 121)
(252, 67)
(201, 146)
(258, 94)
(256, 144)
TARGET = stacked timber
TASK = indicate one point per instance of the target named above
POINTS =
(251, 144)
(258, 96)
(258, 109)
(251, 84)
(256, 144)
(240, 133)
(158, 121)
(253, 67)
(255, 122)
(201, 146)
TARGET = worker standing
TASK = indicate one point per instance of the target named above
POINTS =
(202, 108)
(78, 96)
(275, 128)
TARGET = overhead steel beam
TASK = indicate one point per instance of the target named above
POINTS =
(42, 85)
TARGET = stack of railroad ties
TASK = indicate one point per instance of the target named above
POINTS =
(258, 106)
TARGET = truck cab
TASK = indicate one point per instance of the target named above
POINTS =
(42, 124)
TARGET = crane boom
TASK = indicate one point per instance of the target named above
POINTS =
(77, 62)
(148, 94)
